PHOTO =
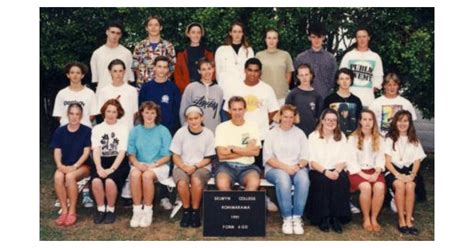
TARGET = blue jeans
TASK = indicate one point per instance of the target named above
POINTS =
(283, 182)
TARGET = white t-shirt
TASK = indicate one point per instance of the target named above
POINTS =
(288, 147)
(85, 97)
(368, 73)
(260, 100)
(385, 108)
(230, 66)
(327, 153)
(128, 99)
(405, 153)
(101, 59)
(193, 148)
(111, 139)
(228, 134)
(367, 158)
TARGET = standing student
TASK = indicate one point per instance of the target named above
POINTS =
(403, 156)
(344, 102)
(71, 145)
(286, 154)
(277, 66)
(204, 93)
(328, 199)
(387, 105)
(366, 165)
(148, 49)
(187, 68)
(308, 102)
(231, 57)
(111, 50)
(322, 62)
(109, 144)
(193, 150)
(76, 92)
(148, 152)
(366, 65)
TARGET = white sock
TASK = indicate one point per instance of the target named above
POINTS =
(137, 208)
(110, 209)
(148, 208)
(101, 208)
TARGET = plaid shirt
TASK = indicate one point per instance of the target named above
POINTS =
(143, 57)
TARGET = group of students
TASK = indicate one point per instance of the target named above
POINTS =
(231, 115)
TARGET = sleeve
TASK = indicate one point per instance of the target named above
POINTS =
(333, 70)
(178, 74)
(289, 98)
(313, 147)
(352, 163)
(255, 134)
(210, 150)
(388, 147)
(219, 62)
(344, 157)
(176, 105)
(185, 102)
(319, 107)
(129, 63)
(123, 139)
(272, 101)
(135, 106)
(57, 110)
(251, 53)
(94, 69)
(411, 109)
(141, 94)
(219, 138)
(95, 137)
(56, 140)
(304, 152)
(289, 63)
(378, 72)
(171, 56)
(131, 145)
(94, 109)
(326, 102)
(345, 61)
(176, 143)
(165, 143)
(267, 151)
(87, 138)
(419, 152)
(136, 56)
(380, 158)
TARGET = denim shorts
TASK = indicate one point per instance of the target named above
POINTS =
(236, 170)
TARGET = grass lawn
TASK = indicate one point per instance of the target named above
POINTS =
(164, 228)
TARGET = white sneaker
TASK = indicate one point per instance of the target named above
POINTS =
(136, 218)
(177, 206)
(393, 206)
(354, 209)
(166, 204)
(298, 226)
(271, 207)
(147, 218)
(287, 227)
(87, 202)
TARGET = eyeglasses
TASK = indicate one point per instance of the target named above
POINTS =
(330, 120)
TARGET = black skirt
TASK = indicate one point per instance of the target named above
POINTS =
(420, 190)
(328, 198)
(118, 176)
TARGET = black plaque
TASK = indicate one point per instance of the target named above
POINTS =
(234, 213)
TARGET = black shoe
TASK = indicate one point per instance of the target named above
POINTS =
(99, 217)
(185, 218)
(412, 230)
(403, 229)
(109, 218)
(127, 202)
(195, 218)
(336, 225)
(324, 225)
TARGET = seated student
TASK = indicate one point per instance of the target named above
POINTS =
(403, 156)
(204, 93)
(193, 149)
(390, 102)
(286, 154)
(71, 145)
(237, 143)
(109, 144)
(148, 152)
(328, 199)
(366, 164)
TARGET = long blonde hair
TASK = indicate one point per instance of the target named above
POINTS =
(374, 132)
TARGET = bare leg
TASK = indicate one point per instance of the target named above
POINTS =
(98, 191)
(365, 203)
(60, 189)
(399, 188)
(409, 201)
(196, 192)
(223, 182)
(377, 202)
(136, 186)
(251, 181)
(148, 187)
(110, 192)
(71, 185)
(184, 194)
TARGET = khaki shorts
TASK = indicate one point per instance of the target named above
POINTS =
(202, 174)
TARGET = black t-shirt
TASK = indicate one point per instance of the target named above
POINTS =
(348, 108)
(309, 105)
(194, 54)
(71, 144)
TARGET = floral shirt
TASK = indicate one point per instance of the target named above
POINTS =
(143, 57)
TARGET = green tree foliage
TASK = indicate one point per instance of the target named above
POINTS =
(404, 37)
